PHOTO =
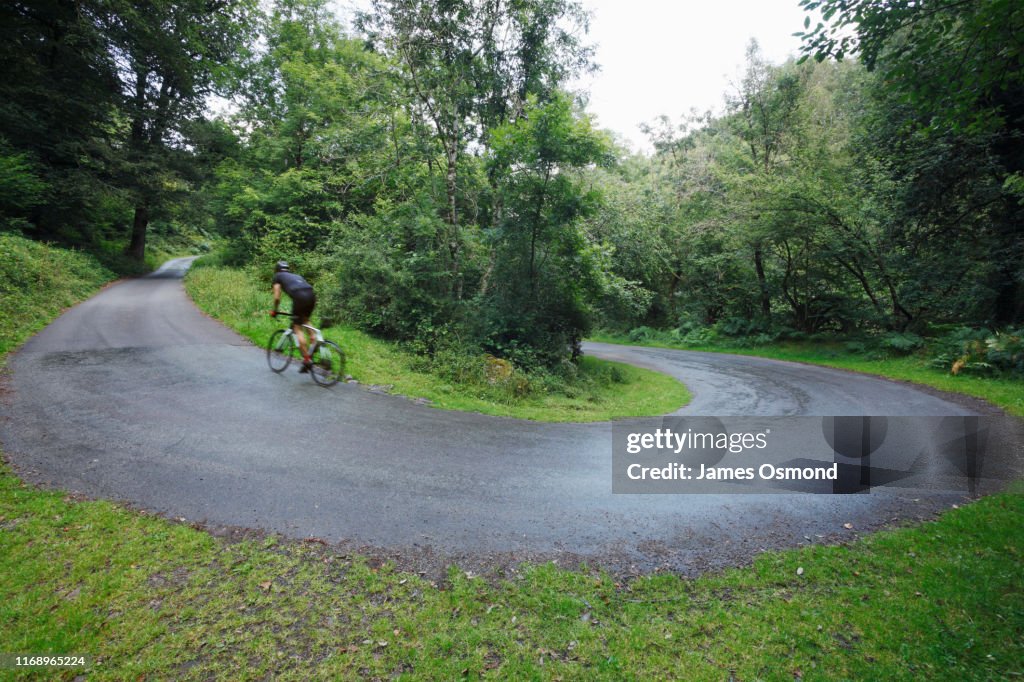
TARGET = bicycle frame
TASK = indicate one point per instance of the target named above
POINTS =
(326, 359)
(318, 336)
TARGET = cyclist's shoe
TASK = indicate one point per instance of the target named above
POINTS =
(306, 367)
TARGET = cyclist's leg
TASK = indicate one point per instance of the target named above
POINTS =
(300, 334)
(302, 308)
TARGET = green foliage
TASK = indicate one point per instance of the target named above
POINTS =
(950, 131)
(981, 351)
(818, 205)
(641, 334)
(454, 375)
(436, 182)
(963, 54)
(58, 100)
(37, 282)
(21, 188)
(267, 607)
(340, 161)
(389, 275)
(466, 68)
(901, 342)
(546, 276)
(101, 110)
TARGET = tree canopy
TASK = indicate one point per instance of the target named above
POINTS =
(427, 168)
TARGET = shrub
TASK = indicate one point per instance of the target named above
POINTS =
(737, 326)
(856, 347)
(701, 336)
(901, 342)
(1005, 350)
(765, 338)
(641, 334)
(980, 351)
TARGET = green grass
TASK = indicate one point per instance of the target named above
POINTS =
(151, 599)
(1007, 393)
(37, 282)
(234, 297)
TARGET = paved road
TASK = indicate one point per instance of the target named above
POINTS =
(135, 395)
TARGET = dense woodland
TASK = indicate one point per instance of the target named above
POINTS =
(427, 168)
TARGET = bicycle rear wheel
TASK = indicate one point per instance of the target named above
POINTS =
(328, 363)
(281, 350)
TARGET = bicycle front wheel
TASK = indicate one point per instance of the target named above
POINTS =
(281, 350)
(328, 363)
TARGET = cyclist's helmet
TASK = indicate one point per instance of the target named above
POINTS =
(282, 265)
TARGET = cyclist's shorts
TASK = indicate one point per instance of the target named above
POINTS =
(303, 303)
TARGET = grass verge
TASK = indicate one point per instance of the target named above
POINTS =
(1006, 393)
(604, 390)
(150, 599)
(37, 282)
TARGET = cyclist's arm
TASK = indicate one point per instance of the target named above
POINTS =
(277, 296)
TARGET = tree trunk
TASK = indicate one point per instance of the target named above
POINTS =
(898, 311)
(454, 238)
(762, 282)
(137, 246)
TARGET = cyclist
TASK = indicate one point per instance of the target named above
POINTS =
(303, 300)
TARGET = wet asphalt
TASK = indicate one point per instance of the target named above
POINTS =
(136, 396)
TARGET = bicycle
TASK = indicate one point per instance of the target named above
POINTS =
(327, 357)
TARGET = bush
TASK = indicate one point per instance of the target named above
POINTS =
(482, 374)
(739, 326)
(1005, 350)
(765, 338)
(641, 334)
(901, 342)
(701, 336)
(980, 351)
(856, 347)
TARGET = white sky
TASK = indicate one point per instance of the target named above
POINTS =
(666, 57)
(663, 57)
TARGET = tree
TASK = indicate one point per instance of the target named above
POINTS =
(951, 72)
(169, 58)
(763, 113)
(963, 54)
(324, 137)
(470, 65)
(548, 275)
(58, 99)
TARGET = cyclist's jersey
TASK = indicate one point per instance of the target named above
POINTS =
(292, 284)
